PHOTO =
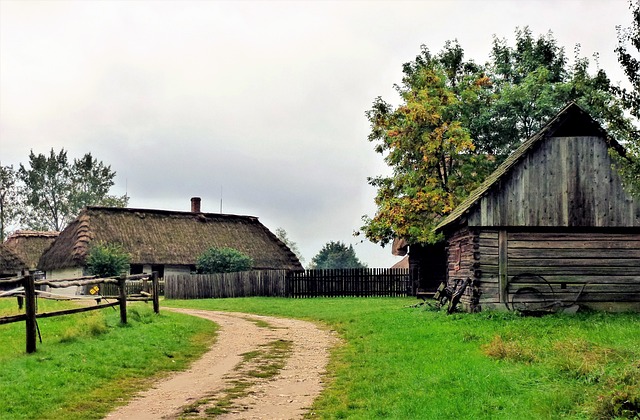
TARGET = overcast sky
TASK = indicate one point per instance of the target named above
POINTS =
(260, 102)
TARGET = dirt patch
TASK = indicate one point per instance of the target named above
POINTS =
(259, 368)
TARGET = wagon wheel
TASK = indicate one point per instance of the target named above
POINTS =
(532, 298)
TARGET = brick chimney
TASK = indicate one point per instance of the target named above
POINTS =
(195, 204)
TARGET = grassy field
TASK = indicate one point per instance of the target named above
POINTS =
(88, 362)
(395, 362)
(410, 363)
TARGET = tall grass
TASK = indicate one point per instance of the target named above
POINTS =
(410, 363)
(88, 363)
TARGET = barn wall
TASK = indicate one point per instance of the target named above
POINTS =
(599, 269)
(462, 263)
(563, 182)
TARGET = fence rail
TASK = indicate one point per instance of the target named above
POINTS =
(26, 290)
(282, 283)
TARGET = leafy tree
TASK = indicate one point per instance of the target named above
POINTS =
(282, 235)
(55, 190)
(458, 120)
(336, 255)
(9, 202)
(628, 41)
(107, 260)
(223, 260)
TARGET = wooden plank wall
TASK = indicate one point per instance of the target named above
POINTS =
(593, 268)
(564, 181)
(463, 262)
(225, 285)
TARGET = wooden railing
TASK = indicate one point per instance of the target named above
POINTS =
(26, 292)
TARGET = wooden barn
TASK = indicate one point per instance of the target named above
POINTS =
(552, 228)
(29, 245)
(165, 241)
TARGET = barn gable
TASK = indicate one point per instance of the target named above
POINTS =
(562, 176)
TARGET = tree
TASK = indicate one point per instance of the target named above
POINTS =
(55, 190)
(458, 120)
(107, 260)
(9, 202)
(282, 235)
(628, 40)
(336, 255)
(223, 260)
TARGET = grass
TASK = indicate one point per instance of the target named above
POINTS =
(395, 362)
(88, 363)
(410, 363)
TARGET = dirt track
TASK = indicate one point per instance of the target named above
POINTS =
(288, 395)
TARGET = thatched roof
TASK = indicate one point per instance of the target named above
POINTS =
(570, 121)
(29, 245)
(10, 263)
(167, 237)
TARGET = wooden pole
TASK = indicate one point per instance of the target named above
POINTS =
(123, 300)
(156, 292)
(30, 311)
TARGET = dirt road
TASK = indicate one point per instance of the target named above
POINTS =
(259, 368)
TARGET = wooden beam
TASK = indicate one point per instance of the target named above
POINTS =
(503, 265)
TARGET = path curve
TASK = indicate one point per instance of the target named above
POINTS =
(285, 396)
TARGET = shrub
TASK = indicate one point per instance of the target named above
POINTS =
(223, 260)
(107, 260)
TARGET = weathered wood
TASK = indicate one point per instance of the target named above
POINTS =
(503, 264)
(30, 313)
(76, 310)
(567, 182)
(122, 300)
(155, 290)
(12, 318)
(70, 283)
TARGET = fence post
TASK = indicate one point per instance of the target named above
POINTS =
(123, 299)
(30, 310)
(156, 292)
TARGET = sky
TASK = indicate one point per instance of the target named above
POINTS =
(257, 107)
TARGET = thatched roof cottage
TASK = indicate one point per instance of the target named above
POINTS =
(10, 263)
(29, 245)
(165, 241)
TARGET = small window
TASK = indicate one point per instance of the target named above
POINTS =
(136, 269)
(159, 268)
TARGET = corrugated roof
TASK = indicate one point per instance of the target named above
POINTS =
(167, 237)
(570, 121)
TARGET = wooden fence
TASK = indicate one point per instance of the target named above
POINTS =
(282, 283)
(358, 282)
(27, 292)
(224, 285)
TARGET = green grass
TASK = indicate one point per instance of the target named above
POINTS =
(88, 362)
(395, 361)
(410, 363)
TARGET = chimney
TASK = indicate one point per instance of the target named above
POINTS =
(195, 205)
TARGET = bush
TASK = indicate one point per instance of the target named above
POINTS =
(223, 260)
(107, 260)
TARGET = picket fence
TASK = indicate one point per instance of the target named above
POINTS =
(360, 282)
